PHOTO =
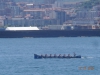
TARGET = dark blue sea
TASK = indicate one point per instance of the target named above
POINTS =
(17, 56)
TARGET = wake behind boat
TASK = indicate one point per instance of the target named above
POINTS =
(36, 56)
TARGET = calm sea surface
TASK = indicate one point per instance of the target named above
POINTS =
(17, 56)
(41, 1)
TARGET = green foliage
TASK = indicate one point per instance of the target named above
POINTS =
(89, 4)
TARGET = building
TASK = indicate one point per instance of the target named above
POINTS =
(87, 14)
(58, 4)
(49, 1)
(34, 13)
(1, 22)
(83, 22)
(15, 11)
(96, 8)
(5, 7)
(14, 22)
(2, 7)
(29, 22)
(70, 5)
(30, 6)
(61, 16)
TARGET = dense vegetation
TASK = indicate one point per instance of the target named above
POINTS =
(89, 4)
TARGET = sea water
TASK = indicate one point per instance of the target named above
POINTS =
(41, 1)
(17, 56)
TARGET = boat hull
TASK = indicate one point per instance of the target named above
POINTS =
(65, 57)
(49, 33)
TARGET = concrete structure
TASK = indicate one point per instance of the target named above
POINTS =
(70, 5)
(15, 11)
(1, 22)
(35, 13)
(87, 14)
(54, 27)
(83, 22)
(29, 22)
(14, 22)
(58, 4)
(5, 7)
(49, 1)
(2, 7)
(96, 8)
(30, 6)
(61, 16)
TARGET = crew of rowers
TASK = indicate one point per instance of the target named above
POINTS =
(64, 56)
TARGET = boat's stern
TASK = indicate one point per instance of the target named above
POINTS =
(37, 56)
(79, 56)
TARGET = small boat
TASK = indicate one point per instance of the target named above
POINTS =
(36, 56)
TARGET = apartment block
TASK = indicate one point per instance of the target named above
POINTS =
(34, 13)
(83, 21)
(87, 14)
(49, 1)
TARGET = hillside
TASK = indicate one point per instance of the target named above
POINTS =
(89, 4)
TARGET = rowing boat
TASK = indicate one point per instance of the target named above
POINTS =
(36, 56)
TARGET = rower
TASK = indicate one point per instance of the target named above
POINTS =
(74, 54)
(64, 56)
(55, 55)
(50, 55)
(59, 56)
(68, 55)
(45, 55)
(42, 56)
